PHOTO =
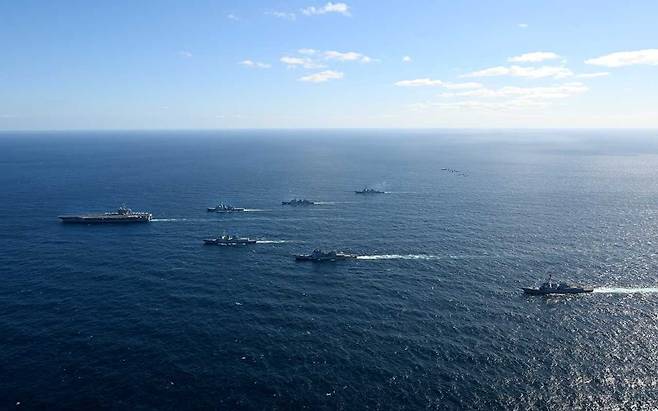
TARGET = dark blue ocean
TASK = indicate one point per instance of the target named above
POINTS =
(431, 316)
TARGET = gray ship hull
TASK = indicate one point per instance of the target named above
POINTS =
(103, 219)
(239, 241)
(571, 290)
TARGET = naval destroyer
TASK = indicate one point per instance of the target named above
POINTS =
(227, 239)
(324, 256)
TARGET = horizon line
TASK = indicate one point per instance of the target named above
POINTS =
(97, 130)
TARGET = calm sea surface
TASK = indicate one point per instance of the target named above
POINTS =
(430, 316)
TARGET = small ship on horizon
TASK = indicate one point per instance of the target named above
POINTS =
(367, 190)
(122, 215)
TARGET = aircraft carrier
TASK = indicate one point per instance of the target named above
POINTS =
(122, 215)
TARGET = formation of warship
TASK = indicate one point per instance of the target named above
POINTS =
(126, 215)
(122, 215)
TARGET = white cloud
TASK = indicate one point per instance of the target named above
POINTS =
(626, 58)
(475, 105)
(519, 71)
(594, 75)
(254, 64)
(419, 82)
(282, 15)
(523, 25)
(185, 54)
(462, 86)
(330, 7)
(311, 58)
(305, 62)
(427, 82)
(406, 59)
(534, 57)
(322, 76)
(535, 93)
(233, 17)
(347, 56)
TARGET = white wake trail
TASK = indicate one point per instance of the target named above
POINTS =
(626, 290)
(399, 257)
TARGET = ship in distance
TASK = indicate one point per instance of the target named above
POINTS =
(298, 202)
(323, 256)
(228, 239)
(550, 287)
(367, 190)
(224, 208)
(122, 215)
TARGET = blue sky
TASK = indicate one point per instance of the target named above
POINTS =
(316, 64)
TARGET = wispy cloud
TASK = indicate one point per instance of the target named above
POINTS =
(406, 59)
(476, 105)
(233, 17)
(282, 15)
(322, 76)
(347, 56)
(523, 25)
(593, 75)
(312, 58)
(519, 71)
(330, 7)
(427, 82)
(534, 57)
(305, 62)
(548, 92)
(462, 86)
(255, 64)
(184, 54)
(419, 82)
(626, 58)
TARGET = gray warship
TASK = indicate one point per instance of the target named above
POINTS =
(122, 215)
(549, 287)
(227, 239)
(367, 190)
(297, 202)
(323, 256)
(225, 208)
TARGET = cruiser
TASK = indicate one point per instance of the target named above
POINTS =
(229, 240)
(549, 287)
(296, 202)
(367, 190)
(321, 256)
(224, 208)
(122, 215)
